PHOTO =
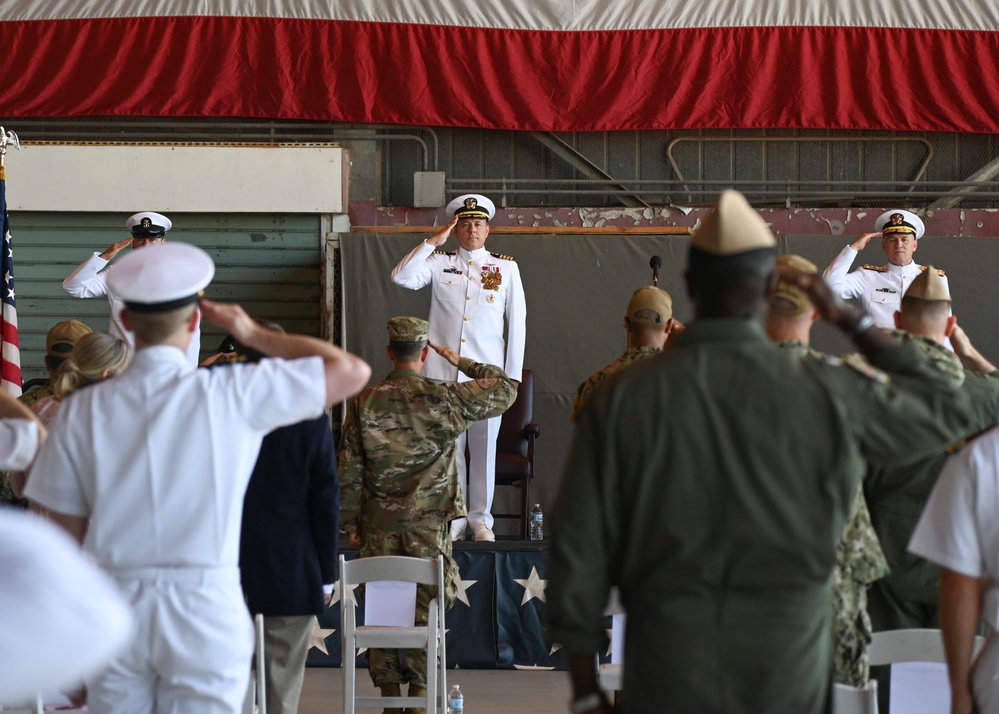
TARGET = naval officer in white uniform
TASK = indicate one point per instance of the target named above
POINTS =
(477, 296)
(149, 469)
(91, 279)
(880, 287)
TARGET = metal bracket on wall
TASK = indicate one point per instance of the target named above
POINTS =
(586, 167)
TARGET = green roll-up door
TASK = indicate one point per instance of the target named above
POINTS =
(270, 264)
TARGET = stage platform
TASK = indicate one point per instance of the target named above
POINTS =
(498, 619)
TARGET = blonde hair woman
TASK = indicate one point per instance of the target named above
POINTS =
(95, 357)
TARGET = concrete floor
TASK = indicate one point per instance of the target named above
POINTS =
(487, 691)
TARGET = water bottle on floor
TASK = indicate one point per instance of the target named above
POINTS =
(537, 528)
(455, 701)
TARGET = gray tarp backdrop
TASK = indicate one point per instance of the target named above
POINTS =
(577, 288)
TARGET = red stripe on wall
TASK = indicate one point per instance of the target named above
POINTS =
(814, 77)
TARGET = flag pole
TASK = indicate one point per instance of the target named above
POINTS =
(7, 137)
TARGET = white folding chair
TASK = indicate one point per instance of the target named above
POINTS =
(893, 646)
(917, 645)
(854, 700)
(258, 676)
(610, 676)
(34, 707)
(429, 637)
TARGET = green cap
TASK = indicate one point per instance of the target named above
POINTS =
(407, 329)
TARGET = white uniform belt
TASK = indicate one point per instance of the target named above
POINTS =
(185, 575)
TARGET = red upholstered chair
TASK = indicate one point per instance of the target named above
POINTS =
(515, 450)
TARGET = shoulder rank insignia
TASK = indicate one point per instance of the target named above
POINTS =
(876, 268)
(502, 256)
(941, 273)
(445, 252)
(861, 365)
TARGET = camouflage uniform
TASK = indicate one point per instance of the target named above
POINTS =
(36, 395)
(399, 477)
(859, 562)
(635, 354)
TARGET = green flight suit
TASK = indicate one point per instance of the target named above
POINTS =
(630, 357)
(711, 485)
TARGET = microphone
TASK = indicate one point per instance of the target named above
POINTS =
(655, 262)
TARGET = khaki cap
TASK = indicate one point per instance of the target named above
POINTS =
(928, 285)
(788, 299)
(408, 329)
(732, 228)
(650, 299)
(63, 337)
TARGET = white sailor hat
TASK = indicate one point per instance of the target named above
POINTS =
(472, 205)
(899, 221)
(161, 277)
(148, 225)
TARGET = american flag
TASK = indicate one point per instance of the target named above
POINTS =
(10, 355)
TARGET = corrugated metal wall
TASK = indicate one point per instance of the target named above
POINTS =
(272, 265)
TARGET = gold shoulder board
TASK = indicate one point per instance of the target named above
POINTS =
(502, 256)
(876, 268)
(941, 273)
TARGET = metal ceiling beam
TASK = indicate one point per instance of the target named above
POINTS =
(986, 173)
(587, 167)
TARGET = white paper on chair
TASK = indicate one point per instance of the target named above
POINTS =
(617, 638)
(389, 603)
(919, 688)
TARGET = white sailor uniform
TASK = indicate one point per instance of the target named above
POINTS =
(476, 295)
(90, 279)
(159, 459)
(959, 530)
(18, 443)
(879, 288)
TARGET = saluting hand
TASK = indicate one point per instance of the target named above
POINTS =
(862, 242)
(831, 306)
(440, 238)
(115, 249)
(231, 318)
(447, 353)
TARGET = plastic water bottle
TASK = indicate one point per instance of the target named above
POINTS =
(537, 528)
(455, 701)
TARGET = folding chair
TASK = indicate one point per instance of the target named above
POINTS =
(915, 645)
(892, 646)
(610, 676)
(429, 637)
(258, 675)
(854, 700)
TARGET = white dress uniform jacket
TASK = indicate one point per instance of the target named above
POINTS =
(18, 443)
(159, 459)
(879, 288)
(63, 618)
(465, 314)
(959, 530)
(91, 280)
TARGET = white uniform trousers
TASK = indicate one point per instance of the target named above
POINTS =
(477, 478)
(192, 649)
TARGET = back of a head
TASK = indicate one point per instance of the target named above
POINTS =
(407, 338)
(649, 310)
(60, 341)
(731, 260)
(790, 310)
(925, 308)
(94, 355)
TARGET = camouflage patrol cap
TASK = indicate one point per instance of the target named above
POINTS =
(732, 228)
(407, 329)
(788, 299)
(928, 285)
(650, 301)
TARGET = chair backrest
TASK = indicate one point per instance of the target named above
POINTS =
(387, 567)
(891, 646)
(511, 437)
(851, 700)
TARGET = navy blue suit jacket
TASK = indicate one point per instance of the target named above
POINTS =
(288, 548)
